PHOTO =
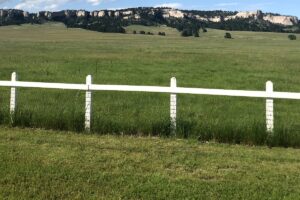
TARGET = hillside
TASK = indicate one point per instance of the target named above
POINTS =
(192, 21)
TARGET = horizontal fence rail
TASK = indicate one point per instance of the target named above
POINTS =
(173, 90)
(154, 89)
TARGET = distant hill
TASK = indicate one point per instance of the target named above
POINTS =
(189, 21)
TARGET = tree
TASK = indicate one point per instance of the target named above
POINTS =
(292, 37)
(227, 36)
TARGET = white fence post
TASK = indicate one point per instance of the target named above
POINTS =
(269, 108)
(173, 107)
(13, 95)
(88, 104)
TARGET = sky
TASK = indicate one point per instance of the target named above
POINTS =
(287, 7)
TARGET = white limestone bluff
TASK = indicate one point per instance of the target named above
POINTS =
(247, 14)
(284, 20)
(256, 15)
(167, 13)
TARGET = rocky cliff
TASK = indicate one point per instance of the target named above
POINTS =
(284, 20)
(9, 16)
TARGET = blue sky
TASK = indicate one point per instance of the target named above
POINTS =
(288, 7)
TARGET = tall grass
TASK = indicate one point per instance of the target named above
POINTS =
(132, 114)
(56, 54)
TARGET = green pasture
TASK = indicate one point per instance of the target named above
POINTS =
(53, 53)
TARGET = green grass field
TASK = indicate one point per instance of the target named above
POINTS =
(53, 53)
(37, 164)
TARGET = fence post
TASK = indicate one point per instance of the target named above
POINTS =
(13, 96)
(88, 104)
(173, 107)
(269, 108)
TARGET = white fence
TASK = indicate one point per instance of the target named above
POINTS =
(173, 90)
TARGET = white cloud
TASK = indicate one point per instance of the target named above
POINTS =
(35, 5)
(94, 2)
(97, 2)
(170, 5)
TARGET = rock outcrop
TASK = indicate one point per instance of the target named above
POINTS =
(255, 15)
(167, 13)
(213, 19)
(26, 14)
(216, 19)
(283, 20)
(82, 13)
(127, 12)
(70, 13)
(3, 13)
(12, 13)
(275, 19)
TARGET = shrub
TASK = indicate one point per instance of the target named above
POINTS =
(292, 37)
(186, 33)
(227, 36)
(142, 32)
(204, 30)
(134, 32)
(162, 33)
(196, 34)
(149, 33)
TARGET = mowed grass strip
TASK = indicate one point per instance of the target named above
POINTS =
(37, 164)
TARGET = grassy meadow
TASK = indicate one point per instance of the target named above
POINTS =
(37, 164)
(53, 53)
